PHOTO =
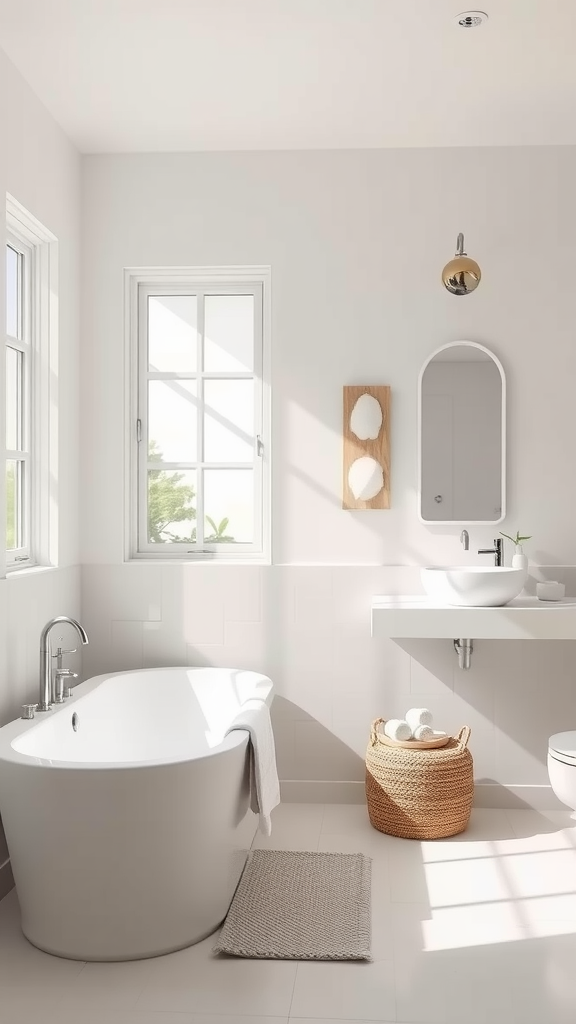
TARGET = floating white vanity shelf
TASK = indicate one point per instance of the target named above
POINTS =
(525, 618)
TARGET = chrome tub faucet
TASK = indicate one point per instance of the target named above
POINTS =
(51, 690)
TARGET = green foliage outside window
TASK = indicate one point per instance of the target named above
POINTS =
(10, 509)
(170, 501)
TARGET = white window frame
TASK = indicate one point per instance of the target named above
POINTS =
(28, 236)
(139, 284)
(21, 556)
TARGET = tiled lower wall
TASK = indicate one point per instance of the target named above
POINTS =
(27, 601)
(309, 629)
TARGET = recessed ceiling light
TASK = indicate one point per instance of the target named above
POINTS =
(471, 19)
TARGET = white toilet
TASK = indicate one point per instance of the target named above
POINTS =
(562, 766)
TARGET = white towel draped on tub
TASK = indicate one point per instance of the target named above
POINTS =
(254, 717)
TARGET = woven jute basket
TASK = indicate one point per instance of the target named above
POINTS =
(419, 794)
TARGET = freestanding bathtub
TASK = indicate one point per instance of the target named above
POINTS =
(126, 811)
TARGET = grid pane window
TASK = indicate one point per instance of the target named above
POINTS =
(172, 420)
(13, 291)
(228, 420)
(229, 333)
(229, 505)
(13, 505)
(18, 356)
(172, 333)
(14, 378)
(171, 515)
(200, 419)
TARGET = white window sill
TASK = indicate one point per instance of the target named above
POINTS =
(142, 560)
(29, 570)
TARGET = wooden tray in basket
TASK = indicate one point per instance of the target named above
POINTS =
(440, 741)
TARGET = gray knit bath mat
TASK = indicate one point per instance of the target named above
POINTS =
(300, 906)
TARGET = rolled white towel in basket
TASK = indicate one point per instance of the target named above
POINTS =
(424, 732)
(397, 729)
(418, 716)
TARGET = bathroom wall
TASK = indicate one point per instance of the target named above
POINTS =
(41, 169)
(356, 242)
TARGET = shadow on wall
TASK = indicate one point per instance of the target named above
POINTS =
(515, 695)
(307, 750)
(308, 629)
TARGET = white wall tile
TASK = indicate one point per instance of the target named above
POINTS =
(432, 665)
(127, 645)
(31, 601)
(319, 754)
(202, 613)
(248, 637)
(283, 726)
(331, 678)
(206, 655)
(363, 665)
(162, 645)
(243, 593)
(129, 591)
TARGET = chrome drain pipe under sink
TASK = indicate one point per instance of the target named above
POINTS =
(464, 650)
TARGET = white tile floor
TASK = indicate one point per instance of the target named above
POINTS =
(480, 928)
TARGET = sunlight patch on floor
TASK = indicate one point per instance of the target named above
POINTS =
(511, 890)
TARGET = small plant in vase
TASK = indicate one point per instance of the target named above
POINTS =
(519, 559)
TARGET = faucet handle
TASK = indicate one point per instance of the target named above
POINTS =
(28, 711)
(60, 694)
(60, 653)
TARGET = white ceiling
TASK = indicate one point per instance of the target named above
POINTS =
(153, 75)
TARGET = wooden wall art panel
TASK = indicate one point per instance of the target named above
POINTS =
(366, 481)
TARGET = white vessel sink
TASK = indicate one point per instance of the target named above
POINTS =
(480, 586)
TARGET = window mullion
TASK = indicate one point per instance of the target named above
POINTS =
(169, 375)
(182, 467)
(142, 438)
(260, 454)
(200, 422)
(24, 438)
(23, 485)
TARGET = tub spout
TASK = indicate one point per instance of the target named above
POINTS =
(46, 694)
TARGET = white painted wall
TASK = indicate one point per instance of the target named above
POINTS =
(40, 168)
(356, 242)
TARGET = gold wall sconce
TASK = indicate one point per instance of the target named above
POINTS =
(461, 275)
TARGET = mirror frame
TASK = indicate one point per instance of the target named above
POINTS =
(462, 522)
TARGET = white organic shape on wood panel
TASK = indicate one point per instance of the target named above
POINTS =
(366, 418)
(365, 478)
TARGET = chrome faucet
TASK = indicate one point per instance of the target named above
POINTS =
(465, 539)
(496, 551)
(46, 687)
(60, 674)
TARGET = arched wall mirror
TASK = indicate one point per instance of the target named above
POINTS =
(462, 436)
